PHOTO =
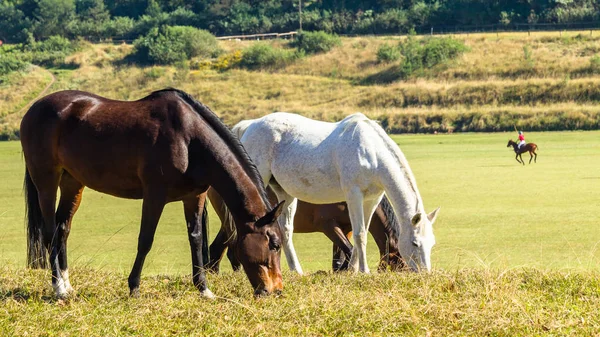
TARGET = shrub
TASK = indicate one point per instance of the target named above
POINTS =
(262, 55)
(387, 54)
(169, 45)
(52, 44)
(439, 50)
(428, 53)
(316, 42)
(595, 63)
(9, 62)
(528, 57)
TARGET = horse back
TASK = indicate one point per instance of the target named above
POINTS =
(108, 144)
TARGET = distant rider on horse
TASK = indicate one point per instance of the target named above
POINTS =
(521, 140)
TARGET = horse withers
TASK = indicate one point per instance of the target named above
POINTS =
(354, 161)
(162, 148)
(529, 147)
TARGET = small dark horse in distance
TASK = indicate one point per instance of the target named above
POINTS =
(331, 219)
(529, 147)
(162, 148)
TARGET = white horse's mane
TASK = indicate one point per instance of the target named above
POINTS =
(392, 147)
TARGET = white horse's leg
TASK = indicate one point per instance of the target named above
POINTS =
(286, 221)
(360, 211)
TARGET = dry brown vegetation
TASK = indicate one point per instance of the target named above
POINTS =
(546, 81)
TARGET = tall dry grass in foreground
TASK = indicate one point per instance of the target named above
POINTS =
(458, 303)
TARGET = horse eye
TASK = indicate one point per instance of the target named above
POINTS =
(416, 243)
(274, 243)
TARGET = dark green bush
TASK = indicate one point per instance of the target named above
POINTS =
(10, 62)
(50, 52)
(262, 55)
(52, 44)
(439, 50)
(387, 54)
(316, 42)
(428, 53)
(169, 45)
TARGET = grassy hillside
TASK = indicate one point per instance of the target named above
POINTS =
(540, 82)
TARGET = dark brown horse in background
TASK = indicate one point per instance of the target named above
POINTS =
(165, 147)
(529, 147)
(332, 220)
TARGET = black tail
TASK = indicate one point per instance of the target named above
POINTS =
(36, 252)
(205, 257)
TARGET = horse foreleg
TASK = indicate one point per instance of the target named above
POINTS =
(196, 219)
(152, 208)
(71, 191)
(517, 158)
(286, 221)
(521, 157)
(360, 211)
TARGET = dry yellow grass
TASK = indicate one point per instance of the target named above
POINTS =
(492, 76)
(21, 88)
(461, 303)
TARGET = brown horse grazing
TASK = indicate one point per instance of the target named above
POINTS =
(529, 147)
(162, 148)
(332, 220)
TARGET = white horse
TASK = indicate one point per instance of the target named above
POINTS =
(354, 161)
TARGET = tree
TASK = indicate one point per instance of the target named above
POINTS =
(51, 16)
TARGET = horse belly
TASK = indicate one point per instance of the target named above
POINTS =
(107, 169)
(318, 184)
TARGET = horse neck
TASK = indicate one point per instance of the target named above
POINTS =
(383, 231)
(243, 198)
(397, 178)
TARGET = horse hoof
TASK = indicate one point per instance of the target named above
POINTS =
(134, 293)
(206, 293)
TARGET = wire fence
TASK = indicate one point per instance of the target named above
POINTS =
(432, 30)
(513, 27)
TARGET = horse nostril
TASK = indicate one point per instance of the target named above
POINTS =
(261, 292)
(278, 292)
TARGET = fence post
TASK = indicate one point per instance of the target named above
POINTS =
(431, 30)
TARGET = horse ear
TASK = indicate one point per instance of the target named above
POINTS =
(416, 219)
(433, 215)
(272, 216)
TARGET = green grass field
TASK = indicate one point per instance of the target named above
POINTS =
(495, 213)
(516, 256)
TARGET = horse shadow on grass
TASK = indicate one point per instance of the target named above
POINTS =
(21, 295)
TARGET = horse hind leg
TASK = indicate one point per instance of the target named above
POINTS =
(530, 157)
(71, 192)
(342, 248)
(46, 180)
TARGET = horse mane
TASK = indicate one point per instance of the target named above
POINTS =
(395, 150)
(225, 133)
(392, 221)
